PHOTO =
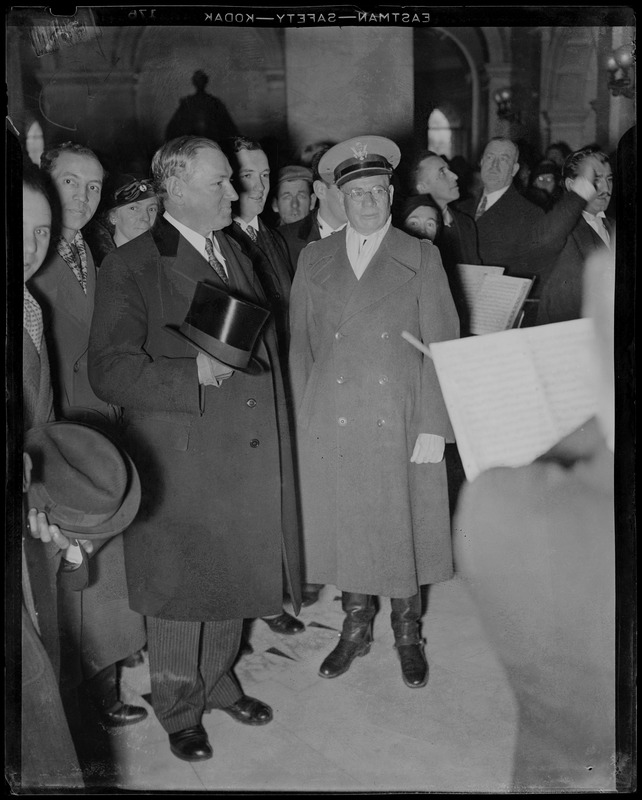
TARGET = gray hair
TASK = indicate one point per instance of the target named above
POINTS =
(176, 157)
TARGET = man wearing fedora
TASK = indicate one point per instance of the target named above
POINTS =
(371, 420)
(205, 417)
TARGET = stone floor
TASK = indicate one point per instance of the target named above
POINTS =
(362, 732)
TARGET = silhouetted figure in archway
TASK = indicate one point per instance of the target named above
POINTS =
(201, 114)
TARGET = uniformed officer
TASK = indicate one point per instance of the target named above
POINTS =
(371, 420)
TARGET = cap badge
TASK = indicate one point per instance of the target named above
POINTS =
(360, 150)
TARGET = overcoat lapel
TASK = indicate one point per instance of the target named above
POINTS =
(384, 275)
(333, 271)
(183, 265)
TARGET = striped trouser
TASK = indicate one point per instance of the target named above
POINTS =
(190, 666)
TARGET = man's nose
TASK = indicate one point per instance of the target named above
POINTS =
(230, 192)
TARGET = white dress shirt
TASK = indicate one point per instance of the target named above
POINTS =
(596, 221)
(362, 248)
(198, 241)
(326, 230)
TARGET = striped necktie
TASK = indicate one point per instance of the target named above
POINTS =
(214, 262)
(251, 232)
(481, 208)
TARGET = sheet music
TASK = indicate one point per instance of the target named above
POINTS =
(497, 303)
(512, 395)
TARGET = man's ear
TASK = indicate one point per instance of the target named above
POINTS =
(275, 205)
(174, 189)
(313, 201)
(515, 168)
(320, 189)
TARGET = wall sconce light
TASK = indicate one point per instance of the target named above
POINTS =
(618, 65)
(504, 100)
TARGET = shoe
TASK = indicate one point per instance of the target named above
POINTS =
(309, 596)
(249, 711)
(191, 744)
(284, 623)
(122, 714)
(414, 667)
(341, 657)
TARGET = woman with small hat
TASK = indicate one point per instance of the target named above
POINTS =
(130, 207)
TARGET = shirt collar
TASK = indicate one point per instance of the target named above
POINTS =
(197, 240)
(253, 223)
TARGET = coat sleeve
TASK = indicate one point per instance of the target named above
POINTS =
(120, 369)
(438, 322)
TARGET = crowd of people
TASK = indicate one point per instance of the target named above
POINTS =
(271, 454)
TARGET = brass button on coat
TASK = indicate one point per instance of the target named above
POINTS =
(254, 443)
(251, 402)
(341, 379)
(381, 422)
(343, 421)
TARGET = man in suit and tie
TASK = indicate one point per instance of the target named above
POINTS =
(99, 621)
(562, 294)
(327, 218)
(211, 443)
(371, 420)
(430, 174)
(268, 254)
(515, 233)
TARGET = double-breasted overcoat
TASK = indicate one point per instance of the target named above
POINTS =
(219, 508)
(373, 522)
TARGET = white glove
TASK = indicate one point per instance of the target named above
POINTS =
(429, 449)
(210, 371)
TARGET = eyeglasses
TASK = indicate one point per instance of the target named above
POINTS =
(377, 193)
(131, 191)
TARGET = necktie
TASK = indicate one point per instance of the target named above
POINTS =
(214, 262)
(606, 234)
(481, 208)
(251, 233)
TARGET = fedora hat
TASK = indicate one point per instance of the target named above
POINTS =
(223, 327)
(81, 479)
(359, 157)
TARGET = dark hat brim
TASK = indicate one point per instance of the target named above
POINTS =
(117, 522)
(219, 350)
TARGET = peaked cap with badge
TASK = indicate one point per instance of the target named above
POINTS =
(359, 157)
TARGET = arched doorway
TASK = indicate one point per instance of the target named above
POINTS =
(443, 94)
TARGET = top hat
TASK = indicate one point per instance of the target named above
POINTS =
(223, 327)
(124, 189)
(360, 157)
(81, 479)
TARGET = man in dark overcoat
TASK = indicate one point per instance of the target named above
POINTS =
(211, 445)
(98, 621)
(562, 294)
(371, 420)
(513, 232)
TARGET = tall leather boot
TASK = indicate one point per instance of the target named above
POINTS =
(356, 636)
(405, 615)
